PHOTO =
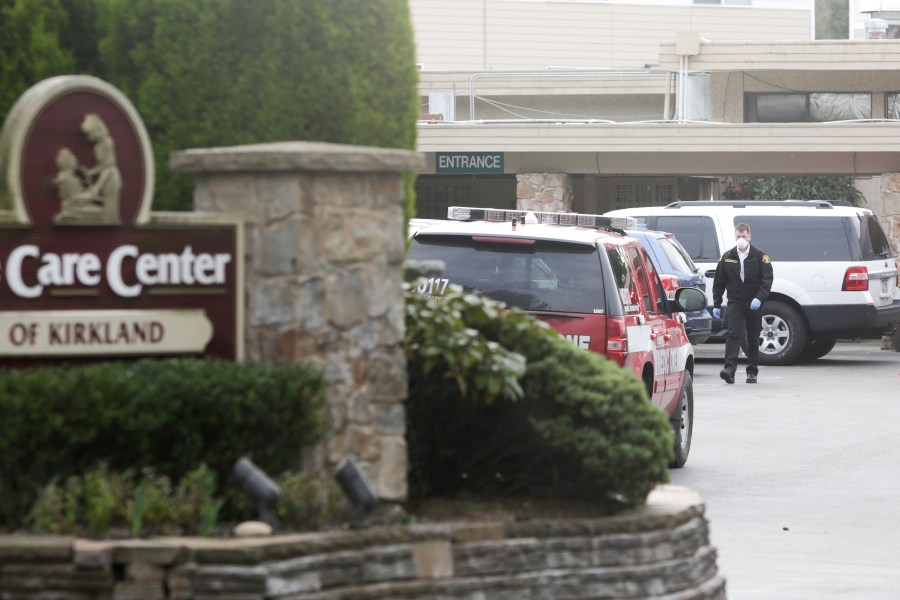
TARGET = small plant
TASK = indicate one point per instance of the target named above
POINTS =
(101, 500)
(154, 510)
(194, 500)
(56, 509)
(102, 496)
(307, 502)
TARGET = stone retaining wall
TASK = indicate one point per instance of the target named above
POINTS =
(659, 551)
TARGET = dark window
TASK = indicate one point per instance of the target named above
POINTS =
(677, 256)
(543, 275)
(656, 287)
(625, 282)
(806, 107)
(873, 241)
(696, 234)
(892, 106)
(799, 238)
(643, 282)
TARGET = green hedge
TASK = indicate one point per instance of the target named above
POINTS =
(169, 415)
(572, 424)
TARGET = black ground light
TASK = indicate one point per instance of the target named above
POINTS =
(259, 487)
(355, 486)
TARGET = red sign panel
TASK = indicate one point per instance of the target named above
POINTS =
(85, 268)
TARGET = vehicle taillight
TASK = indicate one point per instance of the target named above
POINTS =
(616, 342)
(856, 279)
(670, 282)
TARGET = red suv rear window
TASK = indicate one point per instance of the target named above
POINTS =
(544, 275)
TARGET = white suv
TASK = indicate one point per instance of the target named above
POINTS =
(835, 274)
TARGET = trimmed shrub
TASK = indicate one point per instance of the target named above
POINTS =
(581, 427)
(169, 415)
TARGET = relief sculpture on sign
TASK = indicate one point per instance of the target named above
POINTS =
(89, 195)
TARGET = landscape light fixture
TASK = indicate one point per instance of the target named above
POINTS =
(355, 486)
(259, 487)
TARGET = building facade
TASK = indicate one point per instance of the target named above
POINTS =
(597, 105)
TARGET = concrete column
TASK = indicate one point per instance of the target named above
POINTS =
(324, 250)
(545, 192)
(890, 208)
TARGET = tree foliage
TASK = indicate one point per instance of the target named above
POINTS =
(30, 48)
(807, 187)
(832, 20)
(205, 73)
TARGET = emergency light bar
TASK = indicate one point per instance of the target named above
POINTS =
(499, 215)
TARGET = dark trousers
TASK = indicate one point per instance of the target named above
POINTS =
(741, 320)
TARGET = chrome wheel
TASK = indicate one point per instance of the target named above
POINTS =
(782, 336)
(775, 335)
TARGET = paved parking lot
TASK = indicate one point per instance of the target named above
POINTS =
(801, 474)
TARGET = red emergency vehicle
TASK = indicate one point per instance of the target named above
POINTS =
(587, 280)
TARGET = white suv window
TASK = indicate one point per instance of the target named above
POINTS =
(800, 238)
(696, 234)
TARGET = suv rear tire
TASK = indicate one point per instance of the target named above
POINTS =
(817, 348)
(683, 421)
(782, 338)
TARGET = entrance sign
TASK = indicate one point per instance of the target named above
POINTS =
(86, 269)
(468, 162)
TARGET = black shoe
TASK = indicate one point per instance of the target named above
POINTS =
(751, 377)
(728, 376)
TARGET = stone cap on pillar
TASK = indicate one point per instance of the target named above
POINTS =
(297, 156)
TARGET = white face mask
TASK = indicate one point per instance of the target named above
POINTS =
(742, 244)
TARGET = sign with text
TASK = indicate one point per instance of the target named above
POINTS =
(468, 162)
(85, 268)
(97, 332)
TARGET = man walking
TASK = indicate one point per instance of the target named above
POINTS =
(745, 273)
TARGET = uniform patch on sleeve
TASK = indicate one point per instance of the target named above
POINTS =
(765, 258)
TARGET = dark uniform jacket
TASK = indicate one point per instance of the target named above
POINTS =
(757, 277)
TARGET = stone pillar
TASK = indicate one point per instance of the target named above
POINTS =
(890, 208)
(544, 192)
(323, 261)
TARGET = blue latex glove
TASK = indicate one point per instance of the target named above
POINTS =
(717, 313)
(755, 304)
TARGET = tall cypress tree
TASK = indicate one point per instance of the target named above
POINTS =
(30, 47)
(223, 72)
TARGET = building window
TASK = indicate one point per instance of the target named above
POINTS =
(803, 107)
(892, 108)
(433, 197)
(632, 193)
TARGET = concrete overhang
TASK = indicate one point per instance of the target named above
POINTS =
(825, 55)
(670, 148)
